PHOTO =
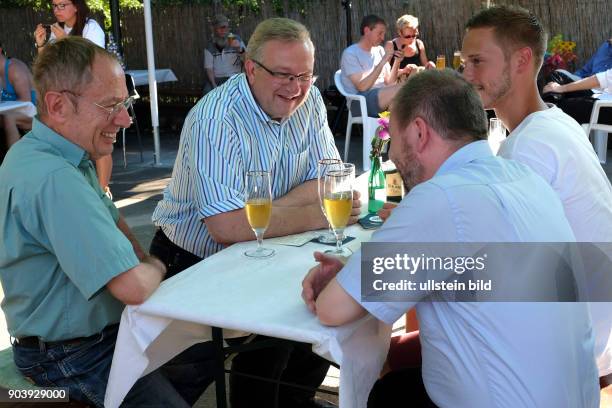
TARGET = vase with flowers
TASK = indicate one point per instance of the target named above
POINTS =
(376, 179)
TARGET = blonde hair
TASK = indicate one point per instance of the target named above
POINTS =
(407, 21)
(280, 29)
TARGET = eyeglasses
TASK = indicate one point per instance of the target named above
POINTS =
(60, 6)
(112, 110)
(286, 78)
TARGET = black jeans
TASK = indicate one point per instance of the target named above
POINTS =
(288, 361)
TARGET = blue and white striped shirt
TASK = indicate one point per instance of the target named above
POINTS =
(225, 135)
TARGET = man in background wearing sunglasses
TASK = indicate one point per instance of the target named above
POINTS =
(269, 118)
(68, 261)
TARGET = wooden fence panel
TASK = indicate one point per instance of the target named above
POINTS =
(181, 32)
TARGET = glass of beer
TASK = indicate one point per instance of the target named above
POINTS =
(324, 165)
(441, 62)
(258, 205)
(457, 60)
(338, 201)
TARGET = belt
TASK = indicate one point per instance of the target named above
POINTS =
(36, 342)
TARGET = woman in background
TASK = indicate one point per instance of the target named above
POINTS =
(407, 41)
(73, 19)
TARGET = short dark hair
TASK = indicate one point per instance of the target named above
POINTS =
(370, 21)
(446, 101)
(513, 27)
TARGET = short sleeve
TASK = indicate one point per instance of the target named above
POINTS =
(208, 60)
(218, 171)
(349, 64)
(93, 32)
(81, 232)
(605, 79)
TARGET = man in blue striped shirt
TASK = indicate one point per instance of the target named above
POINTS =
(269, 118)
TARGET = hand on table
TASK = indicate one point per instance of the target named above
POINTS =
(430, 65)
(386, 210)
(318, 277)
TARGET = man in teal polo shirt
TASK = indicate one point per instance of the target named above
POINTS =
(68, 262)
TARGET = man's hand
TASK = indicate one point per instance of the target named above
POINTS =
(386, 210)
(552, 87)
(318, 277)
(356, 210)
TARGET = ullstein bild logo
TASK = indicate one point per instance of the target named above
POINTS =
(509, 272)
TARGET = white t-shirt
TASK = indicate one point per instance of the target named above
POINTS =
(92, 31)
(605, 80)
(555, 146)
(356, 60)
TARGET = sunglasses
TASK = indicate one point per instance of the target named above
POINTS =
(410, 36)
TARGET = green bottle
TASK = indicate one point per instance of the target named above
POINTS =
(376, 186)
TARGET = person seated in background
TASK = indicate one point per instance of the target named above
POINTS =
(475, 354)
(365, 69)
(582, 109)
(413, 48)
(68, 261)
(600, 61)
(223, 53)
(16, 85)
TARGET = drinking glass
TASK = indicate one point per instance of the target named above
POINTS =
(441, 62)
(497, 134)
(323, 166)
(338, 201)
(456, 60)
(258, 204)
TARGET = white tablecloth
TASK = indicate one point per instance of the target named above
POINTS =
(24, 108)
(234, 292)
(141, 76)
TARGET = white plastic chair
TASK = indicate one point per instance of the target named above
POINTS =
(600, 134)
(369, 125)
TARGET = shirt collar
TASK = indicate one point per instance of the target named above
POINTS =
(245, 90)
(73, 153)
(468, 153)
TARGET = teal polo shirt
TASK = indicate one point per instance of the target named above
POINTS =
(60, 242)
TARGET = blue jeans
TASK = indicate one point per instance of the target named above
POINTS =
(84, 366)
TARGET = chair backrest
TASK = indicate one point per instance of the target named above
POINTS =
(131, 87)
(350, 97)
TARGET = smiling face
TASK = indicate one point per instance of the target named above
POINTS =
(486, 66)
(280, 98)
(68, 15)
(410, 32)
(89, 125)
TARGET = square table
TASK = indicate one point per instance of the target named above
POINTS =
(242, 294)
(24, 108)
(141, 76)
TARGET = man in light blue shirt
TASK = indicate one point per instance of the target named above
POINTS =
(474, 354)
(270, 118)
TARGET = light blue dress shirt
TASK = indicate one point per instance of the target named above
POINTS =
(60, 242)
(490, 354)
(225, 135)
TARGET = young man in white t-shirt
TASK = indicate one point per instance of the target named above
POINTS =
(365, 66)
(503, 50)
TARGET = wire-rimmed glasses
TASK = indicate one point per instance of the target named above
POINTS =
(258, 207)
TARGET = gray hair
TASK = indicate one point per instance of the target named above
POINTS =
(65, 65)
(280, 29)
(446, 101)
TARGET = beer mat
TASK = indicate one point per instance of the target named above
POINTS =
(291, 240)
(346, 239)
(371, 221)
